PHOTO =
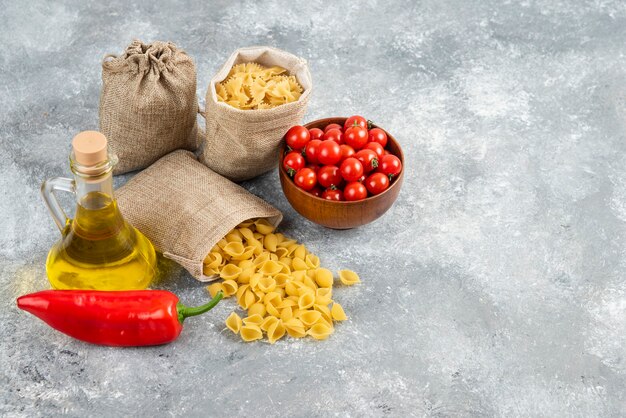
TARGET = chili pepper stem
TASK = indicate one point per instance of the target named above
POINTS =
(186, 311)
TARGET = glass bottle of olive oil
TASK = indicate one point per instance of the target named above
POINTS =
(98, 249)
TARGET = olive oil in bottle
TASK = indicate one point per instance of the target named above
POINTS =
(98, 249)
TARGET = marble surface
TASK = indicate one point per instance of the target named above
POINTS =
(496, 284)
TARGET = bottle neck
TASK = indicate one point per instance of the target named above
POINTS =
(87, 187)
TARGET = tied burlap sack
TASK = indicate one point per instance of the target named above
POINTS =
(184, 208)
(241, 144)
(148, 104)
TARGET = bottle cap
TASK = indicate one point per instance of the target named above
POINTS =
(90, 148)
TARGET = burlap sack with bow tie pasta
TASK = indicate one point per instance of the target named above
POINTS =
(242, 144)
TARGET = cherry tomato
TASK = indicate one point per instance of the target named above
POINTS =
(335, 135)
(379, 136)
(351, 169)
(313, 167)
(293, 162)
(355, 121)
(329, 152)
(377, 148)
(346, 151)
(297, 137)
(316, 133)
(332, 126)
(329, 175)
(390, 165)
(377, 183)
(316, 191)
(355, 191)
(333, 194)
(356, 137)
(305, 179)
(311, 150)
(368, 158)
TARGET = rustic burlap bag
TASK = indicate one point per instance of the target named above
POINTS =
(241, 144)
(184, 208)
(148, 104)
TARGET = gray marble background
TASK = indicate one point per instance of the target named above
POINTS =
(495, 285)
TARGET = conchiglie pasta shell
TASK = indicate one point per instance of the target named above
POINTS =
(323, 309)
(246, 254)
(323, 296)
(324, 277)
(295, 328)
(270, 242)
(257, 309)
(215, 288)
(312, 261)
(306, 301)
(254, 319)
(230, 272)
(275, 332)
(213, 260)
(267, 322)
(348, 277)
(230, 287)
(251, 333)
(298, 264)
(272, 310)
(338, 313)
(267, 284)
(320, 331)
(309, 318)
(270, 268)
(286, 314)
(281, 280)
(233, 322)
(264, 227)
(246, 233)
(300, 252)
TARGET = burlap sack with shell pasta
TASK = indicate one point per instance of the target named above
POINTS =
(148, 103)
(184, 208)
(242, 144)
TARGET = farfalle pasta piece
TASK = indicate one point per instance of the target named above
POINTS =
(348, 277)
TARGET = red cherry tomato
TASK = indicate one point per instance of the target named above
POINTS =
(351, 169)
(377, 148)
(332, 126)
(305, 179)
(316, 133)
(356, 137)
(311, 150)
(313, 167)
(329, 176)
(355, 121)
(377, 183)
(346, 151)
(379, 136)
(335, 135)
(333, 194)
(316, 191)
(297, 137)
(329, 153)
(293, 162)
(390, 165)
(354, 191)
(368, 158)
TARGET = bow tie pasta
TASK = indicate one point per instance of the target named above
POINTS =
(278, 281)
(251, 86)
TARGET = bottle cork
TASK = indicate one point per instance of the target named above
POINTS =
(90, 148)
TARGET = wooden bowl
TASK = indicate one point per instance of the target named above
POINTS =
(340, 215)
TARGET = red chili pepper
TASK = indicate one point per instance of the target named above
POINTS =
(128, 318)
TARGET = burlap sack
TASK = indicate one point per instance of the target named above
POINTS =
(241, 144)
(148, 104)
(184, 208)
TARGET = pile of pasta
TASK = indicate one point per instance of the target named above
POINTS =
(251, 86)
(278, 281)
